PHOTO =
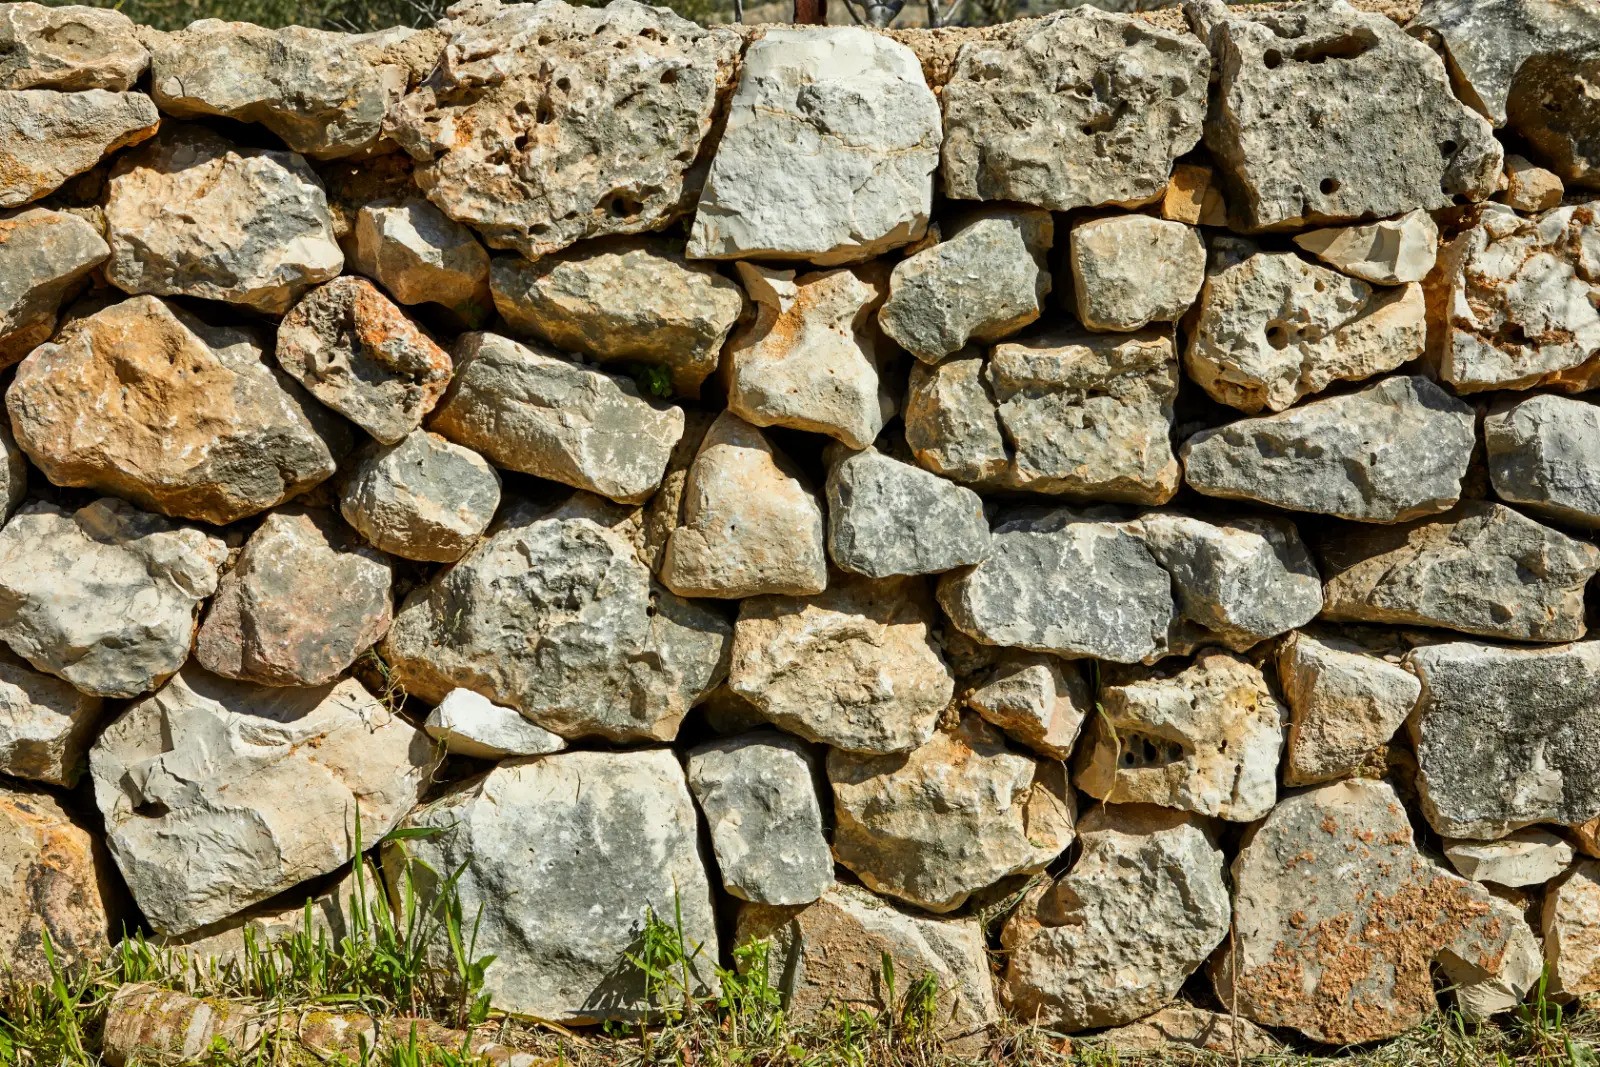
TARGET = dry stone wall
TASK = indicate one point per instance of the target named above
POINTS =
(831, 482)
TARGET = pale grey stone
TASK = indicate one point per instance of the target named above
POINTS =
(1131, 270)
(69, 47)
(46, 725)
(1389, 252)
(424, 498)
(1488, 993)
(44, 257)
(54, 879)
(951, 421)
(420, 255)
(1346, 700)
(47, 137)
(467, 724)
(1544, 454)
(886, 518)
(1039, 700)
(1529, 856)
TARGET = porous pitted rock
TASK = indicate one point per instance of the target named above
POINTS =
(1480, 568)
(1544, 454)
(855, 667)
(71, 48)
(1325, 114)
(1182, 1026)
(219, 794)
(144, 400)
(254, 230)
(304, 599)
(1338, 917)
(1517, 302)
(1530, 188)
(47, 137)
(1058, 582)
(623, 300)
(1273, 328)
(44, 255)
(857, 128)
(1389, 452)
(1503, 736)
(106, 596)
(544, 125)
(323, 93)
(424, 498)
(1203, 737)
(467, 724)
(986, 279)
(1571, 927)
(1345, 702)
(758, 792)
(811, 358)
(1145, 902)
(886, 518)
(830, 955)
(1076, 110)
(749, 524)
(599, 840)
(554, 615)
(953, 816)
(55, 880)
(1389, 252)
(420, 255)
(46, 725)
(1529, 856)
(361, 356)
(1039, 700)
(1131, 270)
(531, 410)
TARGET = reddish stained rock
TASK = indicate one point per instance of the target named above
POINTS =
(53, 877)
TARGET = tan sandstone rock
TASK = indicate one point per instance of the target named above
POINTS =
(44, 257)
(1571, 927)
(56, 880)
(420, 255)
(70, 47)
(1131, 270)
(1038, 700)
(1346, 700)
(1390, 252)
(46, 724)
(47, 137)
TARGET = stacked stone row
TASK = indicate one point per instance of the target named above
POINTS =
(1141, 461)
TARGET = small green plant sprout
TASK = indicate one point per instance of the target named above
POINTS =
(653, 380)
(667, 962)
(752, 1007)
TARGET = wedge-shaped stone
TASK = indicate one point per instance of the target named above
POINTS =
(218, 795)
(886, 518)
(1393, 451)
(1544, 454)
(424, 498)
(420, 255)
(1131, 270)
(47, 137)
(1571, 927)
(858, 129)
(1346, 700)
(1076, 110)
(56, 880)
(1390, 252)
(467, 724)
(1529, 187)
(1480, 568)
(1039, 701)
(1146, 901)
(46, 724)
(530, 410)
(44, 256)
(1529, 856)
(69, 47)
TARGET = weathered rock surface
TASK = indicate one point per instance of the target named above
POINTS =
(1131, 270)
(854, 667)
(1530, 188)
(887, 518)
(55, 880)
(1077, 110)
(1345, 702)
(1480, 568)
(71, 48)
(597, 839)
(304, 599)
(1571, 927)
(255, 229)
(1544, 454)
(1039, 701)
(623, 300)
(1338, 918)
(1530, 856)
(749, 524)
(1502, 736)
(1389, 252)
(1295, 83)
(1273, 328)
(849, 112)
(423, 498)
(467, 724)
(1145, 902)
(218, 795)
(44, 256)
(530, 410)
(1182, 1026)
(420, 255)
(985, 280)
(1203, 737)
(145, 400)
(106, 596)
(46, 725)
(758, 793)
(47, 137)
(554, 615)
(542, 126)
(1393, 451)
(1482, 996)
(952, 424)
(949, 818)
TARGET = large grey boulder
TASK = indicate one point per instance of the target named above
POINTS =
(1502, 736)
(1131, 270)
(886, 518)
(44, 257)
(593, 842)
(532, 410)
(70, 47)
(424, 498)
(1346, 698)
(47, 137)
(1544, 454)
(857, 127)
(218, 795)
(255, 229)
(105, 596)
(554, 615)
(1039, 700)
(144, 400)
(55, 880)
(544, 125)
(46, 724)
(759, 796)
(1480, 568)
(1076, 110)
(1325, 113)
(1146, 901)
(420, 255)
(1389, 452)
(949, 818)
(467, 724)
